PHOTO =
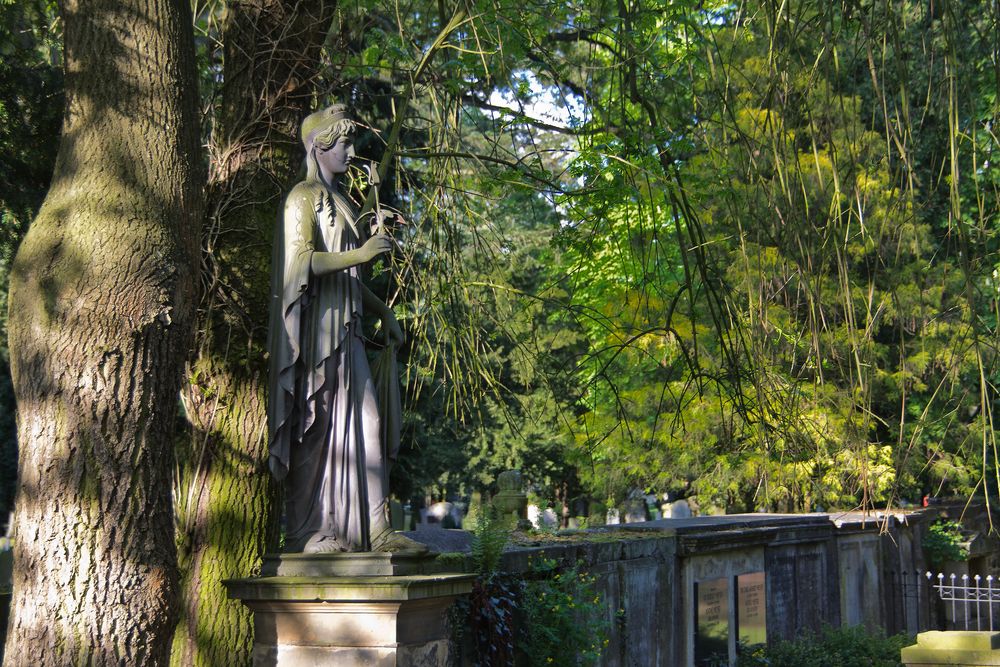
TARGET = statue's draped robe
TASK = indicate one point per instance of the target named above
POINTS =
(323, 417)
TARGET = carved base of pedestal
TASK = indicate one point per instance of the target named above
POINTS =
(348, 564)
(382, 620)
(434, 654)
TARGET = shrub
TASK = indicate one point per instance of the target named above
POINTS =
(831, 647)
(944, 542)
(564, 619)
(560, 615)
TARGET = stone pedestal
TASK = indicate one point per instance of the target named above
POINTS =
(350, 609)
(954, 647)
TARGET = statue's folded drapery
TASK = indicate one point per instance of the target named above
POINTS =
(324, 423)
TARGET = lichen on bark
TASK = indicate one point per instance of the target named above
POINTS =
(101, 304)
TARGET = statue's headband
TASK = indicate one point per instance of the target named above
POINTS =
(323, 119)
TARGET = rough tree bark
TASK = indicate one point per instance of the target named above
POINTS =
(227, 502)
(101, 304)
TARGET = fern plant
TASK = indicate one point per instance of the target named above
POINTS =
(489, 538)
(493, 600)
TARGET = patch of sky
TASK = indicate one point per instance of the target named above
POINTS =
(532, 100)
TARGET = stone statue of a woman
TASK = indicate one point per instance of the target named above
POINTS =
(323, 415)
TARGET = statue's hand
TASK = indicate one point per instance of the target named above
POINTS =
(376, 245)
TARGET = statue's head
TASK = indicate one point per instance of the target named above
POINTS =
(321, 132)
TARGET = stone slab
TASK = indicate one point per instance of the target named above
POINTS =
(350, 589)
(381, 620)
(968, 640)
(712, 619)
(432, 654)
(953, 648)
(751, 609)
(443, 540)
(914, 656)
(349, 624)
(362, 564)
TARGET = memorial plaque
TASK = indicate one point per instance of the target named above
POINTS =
(711, 618)
(751, 614)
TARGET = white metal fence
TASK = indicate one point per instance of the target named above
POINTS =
(969, 602)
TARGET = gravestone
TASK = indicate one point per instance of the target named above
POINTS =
(679, 509)
(512, 502)
(542, 518)
(635, 510)
(396, 517)
(751, 614)
(727, 607)
(711, 639)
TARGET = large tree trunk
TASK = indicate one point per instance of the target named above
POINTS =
(101, 305)
(227, 509)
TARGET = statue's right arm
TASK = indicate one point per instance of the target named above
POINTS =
(300, 226)
(328, 262)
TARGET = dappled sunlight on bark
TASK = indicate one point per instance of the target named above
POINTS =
(102, 294)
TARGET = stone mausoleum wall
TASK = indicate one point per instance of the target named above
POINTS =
(807, 570)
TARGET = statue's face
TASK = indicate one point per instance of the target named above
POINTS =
(336, 158)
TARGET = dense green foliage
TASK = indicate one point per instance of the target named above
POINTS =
(944, 542)
(773, 252)
(550, 615)
(844, 647)
(783, 313)
(565, 620)
(487, 615)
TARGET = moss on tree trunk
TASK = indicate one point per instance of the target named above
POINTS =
(227, 502)
(101, 305)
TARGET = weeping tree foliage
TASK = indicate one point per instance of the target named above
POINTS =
(786, 253)
(835, 163)
(489, 372)
(775, 229)
(758, 236)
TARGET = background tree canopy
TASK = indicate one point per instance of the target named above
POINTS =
(745, 252)
(769, 244)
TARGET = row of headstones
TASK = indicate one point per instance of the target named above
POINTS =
(631, 513)
(453, 515)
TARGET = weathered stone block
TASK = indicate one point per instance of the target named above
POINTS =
(382, 620)
(965, 648)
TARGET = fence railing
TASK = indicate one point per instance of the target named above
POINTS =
(969, 602)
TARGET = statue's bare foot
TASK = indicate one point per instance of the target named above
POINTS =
(391, 541)
(322, 544)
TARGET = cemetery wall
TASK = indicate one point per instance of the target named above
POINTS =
(675, 590)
